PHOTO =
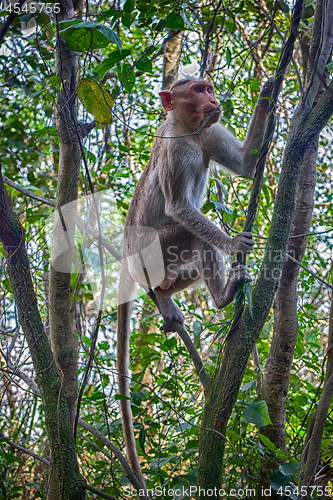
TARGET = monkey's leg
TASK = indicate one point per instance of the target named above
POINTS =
(213, 274)
(180, 272)
(169, 310)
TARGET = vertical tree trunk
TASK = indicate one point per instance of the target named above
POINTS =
(172, 53)
(63, 340)
(70, 483)
(278, 365)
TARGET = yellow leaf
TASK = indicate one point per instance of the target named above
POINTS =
(96, 100)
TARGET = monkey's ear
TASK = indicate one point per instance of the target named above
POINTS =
(167, 100)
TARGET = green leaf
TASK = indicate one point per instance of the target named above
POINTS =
(267, 442)
(52, 131)
(233, 217)
(127, 76)
(266, 193)
(120, 396)
(145, 65)
(248, 386)
(110, 61)
(175, 22)
(207, 206)
(230, 26)
(228, 57)
(220, 183)
(289, 468)
(248, 295)
(329, 66)
(86, 340)
(255, 85)
(160, 462)
(88, 35)
(142, 437)
(54, 80)
(111, 35)
(196, 329)
(257, 413)
(96, 100)
(221, 206)
(129, 6)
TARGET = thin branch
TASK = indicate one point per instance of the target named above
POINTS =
(9, 20)
(24, 450)
(101, 451)
(100, 493)
(47, 463)
(310, 272)
(28, 193)
(195, 356)
(80, 222)
(317, 433)
(279, 32)
(129, 473)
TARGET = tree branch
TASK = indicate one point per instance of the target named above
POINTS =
(195, 356)
(130, 474)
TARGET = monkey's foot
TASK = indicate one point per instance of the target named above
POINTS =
(237, 273)
(170, 312)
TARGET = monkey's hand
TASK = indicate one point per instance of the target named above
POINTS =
(265, 93)
(242, 242)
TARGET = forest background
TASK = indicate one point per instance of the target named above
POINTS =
(206, 413)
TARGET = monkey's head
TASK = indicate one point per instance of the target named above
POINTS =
(191, 102)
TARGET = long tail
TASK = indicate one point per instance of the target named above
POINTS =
(124, 313)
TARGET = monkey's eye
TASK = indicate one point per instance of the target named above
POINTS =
(209, 90)
(198, 89)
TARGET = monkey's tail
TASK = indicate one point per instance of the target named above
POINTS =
(124, 313)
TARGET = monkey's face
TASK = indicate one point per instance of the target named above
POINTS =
(198, 104)
(193, 104)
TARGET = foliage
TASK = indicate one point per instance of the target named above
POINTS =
(120, 51)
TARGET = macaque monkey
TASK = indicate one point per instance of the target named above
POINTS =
(168, 198)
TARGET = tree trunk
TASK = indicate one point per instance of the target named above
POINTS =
(172, 53)
(71, 485)
(64, 341)
(278, 365)
(222, 393)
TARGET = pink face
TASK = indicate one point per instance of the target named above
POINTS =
(193, 104)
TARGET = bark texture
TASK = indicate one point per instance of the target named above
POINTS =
(71, 485)
(63, 340)
(306, 126)
(172, 53)
(278, 366)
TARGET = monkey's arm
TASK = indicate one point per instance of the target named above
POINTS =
(177, 187)
(240, 158)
